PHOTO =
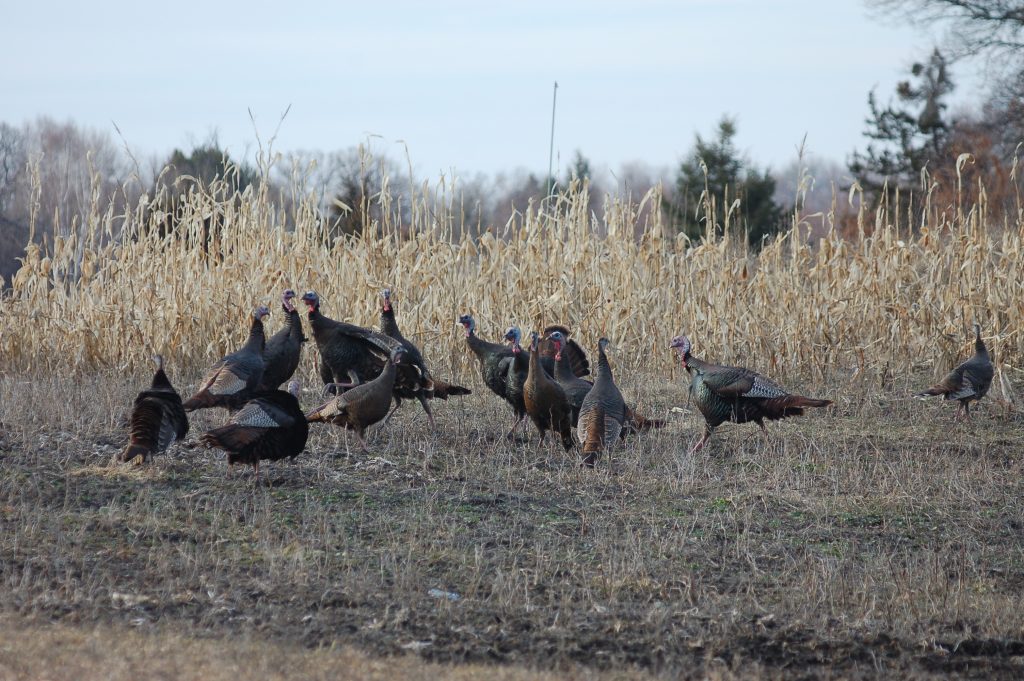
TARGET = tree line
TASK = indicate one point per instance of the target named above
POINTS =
(53, 173)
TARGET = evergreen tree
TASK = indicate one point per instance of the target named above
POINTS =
(209, 161)
(717, 167)
(908, 135)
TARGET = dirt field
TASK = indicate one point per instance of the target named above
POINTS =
(874, 539)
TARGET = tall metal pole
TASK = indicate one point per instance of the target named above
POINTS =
(551, 150)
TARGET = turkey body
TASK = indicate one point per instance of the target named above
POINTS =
(736, 394)
(545, 401)
(360, 407)
(516, 373)
(269, 427)
(417, 381)
(576, 389)
(602, 415)
(494, 359)
(158, 418)
(969, 381)
(348, 353)
(233, 379)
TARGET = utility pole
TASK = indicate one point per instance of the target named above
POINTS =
(551, 149)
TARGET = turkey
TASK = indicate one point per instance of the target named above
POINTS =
(158, 418)
(735, 394)
(364, 405)
(428, 387)
(283, 350)
(576, 390)
(270, 426)
(349, 354)
(494, 359)
(969, 381)
(231, 381)
(602, 416)
(572, 354)
(515, 376)
(545, 401)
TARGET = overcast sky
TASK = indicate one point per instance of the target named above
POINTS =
(465, 85)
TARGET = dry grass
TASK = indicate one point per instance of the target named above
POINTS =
(108, 297)
(38, 652)
(873, 540)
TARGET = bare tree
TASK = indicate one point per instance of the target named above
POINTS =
(992, 30)
(72, 174)
(354, 188)
(12, 162)
(988, 28)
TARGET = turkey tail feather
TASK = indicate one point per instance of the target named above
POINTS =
(599, 430)
(134, 450)
(789, 405)
(800, 401)
(638, 422)
(145, 429)
(231, 437)
(443, 390)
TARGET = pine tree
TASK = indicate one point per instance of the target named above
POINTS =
(909, 135)
(715, 166)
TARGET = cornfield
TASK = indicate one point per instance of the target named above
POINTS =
(119, 288)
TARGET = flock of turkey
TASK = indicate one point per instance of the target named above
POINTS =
(367, 370)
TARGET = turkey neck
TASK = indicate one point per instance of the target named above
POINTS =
(388, 325)
(387, 376)
(256, 340)
(697, 365)
(979, 346)
(160, 381)
(604, 369)
(319, 323)
(564, 372)
(535, 374)
(295, 324)
(480, 347)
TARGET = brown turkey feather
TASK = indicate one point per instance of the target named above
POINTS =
(603, 412)
(157, 419)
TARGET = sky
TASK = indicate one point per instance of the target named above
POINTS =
(463, 86)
